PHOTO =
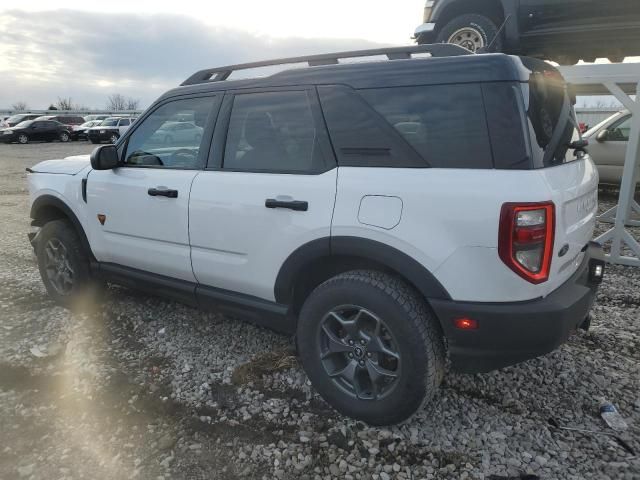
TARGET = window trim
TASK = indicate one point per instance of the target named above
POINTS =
(219, 144)
(207, 133)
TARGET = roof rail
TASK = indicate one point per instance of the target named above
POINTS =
(392, 53)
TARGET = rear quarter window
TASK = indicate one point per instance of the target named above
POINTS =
(445, 124)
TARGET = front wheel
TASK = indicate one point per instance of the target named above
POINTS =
(23, 139)
(64, 265)
(471, 31)
(64, 137)
(371, 346)
(113, 138)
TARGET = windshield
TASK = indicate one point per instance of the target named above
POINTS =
(110, 122)
(24, 124)
(593, 130)
(14, 118)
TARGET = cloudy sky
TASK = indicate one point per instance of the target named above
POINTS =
(91, 49)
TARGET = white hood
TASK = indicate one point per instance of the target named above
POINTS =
(68, 166)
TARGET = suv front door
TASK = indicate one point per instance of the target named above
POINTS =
(140, 211)
(269, 188)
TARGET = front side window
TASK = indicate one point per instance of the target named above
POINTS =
(272, 132)
(155, 143)
(620, 131)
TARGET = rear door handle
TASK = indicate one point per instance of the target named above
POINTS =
(163, 192)
(297, 205)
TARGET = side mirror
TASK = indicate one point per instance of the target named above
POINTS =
(603, 135)
(105, 157)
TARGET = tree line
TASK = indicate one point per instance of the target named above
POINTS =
(115, 102)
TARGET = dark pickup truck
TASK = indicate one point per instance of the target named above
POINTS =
(564, 31)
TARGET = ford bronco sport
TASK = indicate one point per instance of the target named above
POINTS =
(387, 213)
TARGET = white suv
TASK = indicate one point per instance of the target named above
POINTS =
(386, 213)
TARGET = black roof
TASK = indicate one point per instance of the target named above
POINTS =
(386, 73)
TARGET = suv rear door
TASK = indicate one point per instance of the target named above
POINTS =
(269, 188)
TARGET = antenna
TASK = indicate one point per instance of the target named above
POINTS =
(488, 48)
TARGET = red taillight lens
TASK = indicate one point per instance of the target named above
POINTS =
(525, 241)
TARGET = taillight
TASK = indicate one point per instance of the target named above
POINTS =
(525, 241)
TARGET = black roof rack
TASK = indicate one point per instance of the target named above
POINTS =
(392, 53)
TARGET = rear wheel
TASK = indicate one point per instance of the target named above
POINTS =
(113, 138)
(23, 138)
(471, 31)
(64, 265)
(371, 346)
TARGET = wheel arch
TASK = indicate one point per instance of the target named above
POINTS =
(317, 261)
(494, 9)
(47, 208)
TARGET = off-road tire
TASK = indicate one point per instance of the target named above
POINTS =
(484, 26)
(85, 289)
(409, 319)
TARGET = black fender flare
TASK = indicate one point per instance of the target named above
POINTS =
(409, 268)
(46, 201)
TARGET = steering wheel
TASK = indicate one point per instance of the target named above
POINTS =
(183, 156)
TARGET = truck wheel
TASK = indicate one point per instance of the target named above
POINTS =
(113, 138)
(22, 138)
(64, 265)
(471, 31)
(371, 346)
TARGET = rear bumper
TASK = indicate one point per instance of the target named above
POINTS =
(509, 333)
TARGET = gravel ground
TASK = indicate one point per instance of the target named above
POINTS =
(150, 389)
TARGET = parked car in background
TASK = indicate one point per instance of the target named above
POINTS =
(109, 130)
(69, 120)
(79, 132)
(561, 30)
(14, 120)
(89, 118)
(43, 130)
(177, 132)
(608, 143)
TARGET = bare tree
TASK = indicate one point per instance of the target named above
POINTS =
(20, 106)
(116, 101)
(65, 103)
(133, 103)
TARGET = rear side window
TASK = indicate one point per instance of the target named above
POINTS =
(361, 137)
(272, 132)
(445, 124)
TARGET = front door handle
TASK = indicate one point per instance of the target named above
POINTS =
(297, 205)
(163, 192)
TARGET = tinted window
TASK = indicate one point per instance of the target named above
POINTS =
(152, 145)
(124, 123)
(445, 124)
(508, 132)
(360, 136)
(272, 132)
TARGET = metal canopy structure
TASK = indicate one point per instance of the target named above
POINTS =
(620, 80)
